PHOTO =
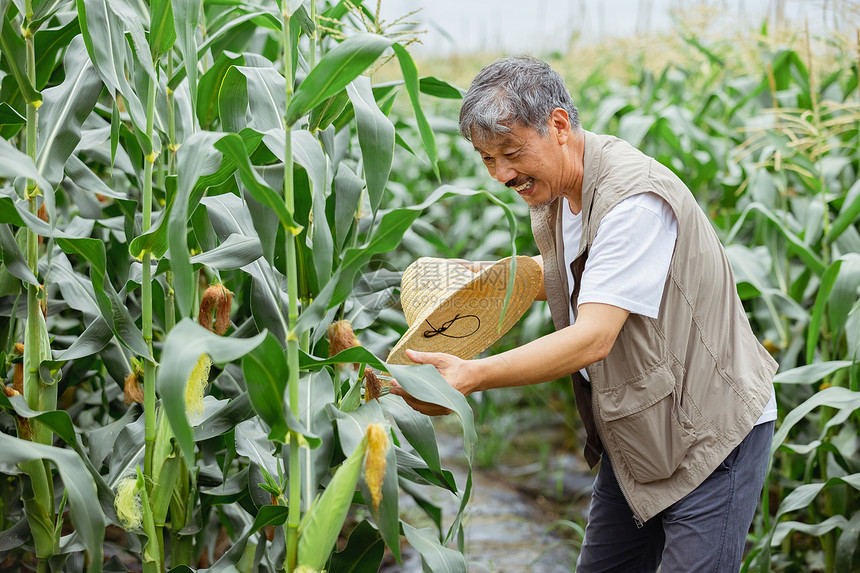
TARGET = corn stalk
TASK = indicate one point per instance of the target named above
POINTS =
(39, 501)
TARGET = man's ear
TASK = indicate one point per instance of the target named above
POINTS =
(559, 125)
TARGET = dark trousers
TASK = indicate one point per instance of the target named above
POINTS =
(704, 531)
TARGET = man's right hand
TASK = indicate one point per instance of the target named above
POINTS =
(456, 371)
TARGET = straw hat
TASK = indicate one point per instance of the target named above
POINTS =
(451, 309)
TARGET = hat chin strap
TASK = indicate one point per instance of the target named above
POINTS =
(445, 326)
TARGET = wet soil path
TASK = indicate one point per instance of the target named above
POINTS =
(520, 513)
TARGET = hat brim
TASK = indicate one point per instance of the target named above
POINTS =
(465, 322)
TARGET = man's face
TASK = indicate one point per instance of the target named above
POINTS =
(531, 164)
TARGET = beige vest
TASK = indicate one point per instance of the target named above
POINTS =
(676, 394)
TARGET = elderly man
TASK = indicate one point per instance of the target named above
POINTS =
(673, 388)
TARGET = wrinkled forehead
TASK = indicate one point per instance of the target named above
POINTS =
(485, 141)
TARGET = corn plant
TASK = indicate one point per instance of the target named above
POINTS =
(192, 195)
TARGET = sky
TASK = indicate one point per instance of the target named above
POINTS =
(540, 26)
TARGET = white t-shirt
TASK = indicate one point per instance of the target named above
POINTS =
(629, 259)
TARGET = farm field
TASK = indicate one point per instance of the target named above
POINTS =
(205, 209)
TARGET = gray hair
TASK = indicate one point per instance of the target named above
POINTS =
(520, 89)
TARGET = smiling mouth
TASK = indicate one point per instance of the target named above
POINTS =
(524, 186)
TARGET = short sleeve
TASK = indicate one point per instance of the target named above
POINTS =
(629, 260)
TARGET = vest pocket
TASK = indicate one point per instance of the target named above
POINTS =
(646, 424)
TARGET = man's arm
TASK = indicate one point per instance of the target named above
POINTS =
(552, 356)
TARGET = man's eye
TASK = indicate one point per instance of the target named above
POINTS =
(487, 159)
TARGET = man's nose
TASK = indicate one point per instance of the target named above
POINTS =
(503, 171)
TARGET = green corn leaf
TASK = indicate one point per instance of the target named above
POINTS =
(186, 17)
(834, 397)
(384, 94)
(76, 288)
(375, 137)
(84, 178)
(363, 552)
(252, 97)
(77, 228)
(848, 214)
(329, 110)
(811, 373)
(15, 55)
(86, 513)
(92, 341)
(135, 18)
(308, 153)
(113, 310)
(321, 525)
(347, 195)
(439, 88)
(266, 374)
(223, 37)
(253, 443)
(827, 281)
(233, 147)
(235, 252)
(11, 121)
(843, 295)
(225, 419)
(103, 32)
(233, 100)
(417, 428)
(783, 528)
(803, 251)
(44, 9)
(268, 515)
(802, 495)
(846, 547)
(61, 115)
(334, 71)
(182, 349)
(49, 44)
(115, 128)
(155, 240)
(162, 33)
(316, 390)
(410, 77)
(8, 212)
(57, 420)
(425, 383)
(13, 164)
(209, 88)
(191, 160)
(13, 258)
(435, 558)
